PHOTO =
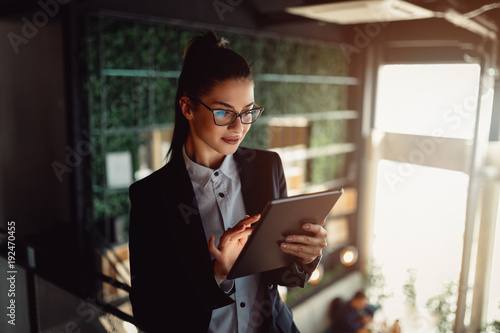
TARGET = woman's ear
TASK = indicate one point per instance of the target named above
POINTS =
(185, 105)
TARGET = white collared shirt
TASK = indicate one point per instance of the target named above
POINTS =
(220, 202)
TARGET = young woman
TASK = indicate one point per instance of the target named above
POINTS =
(190, 219)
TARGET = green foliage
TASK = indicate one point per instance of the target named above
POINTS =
(327, 132)
(494, 326)
(123, 108)
(409, 288)
(443, 307)
(375, 284)
(325, 168)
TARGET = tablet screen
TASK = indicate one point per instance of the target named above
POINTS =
(280, 218)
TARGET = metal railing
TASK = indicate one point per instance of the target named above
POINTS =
(47, 305)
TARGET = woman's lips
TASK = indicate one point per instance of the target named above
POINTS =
(233, 140)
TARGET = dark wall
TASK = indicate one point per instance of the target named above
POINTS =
(32, 125)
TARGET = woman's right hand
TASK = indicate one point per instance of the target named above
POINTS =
(231, 243)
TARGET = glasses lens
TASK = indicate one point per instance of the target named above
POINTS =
(222, 117)
(250, 116)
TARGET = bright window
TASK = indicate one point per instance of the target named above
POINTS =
(428, 99)
(420, 204)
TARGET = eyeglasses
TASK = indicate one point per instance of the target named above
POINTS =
(227, 117)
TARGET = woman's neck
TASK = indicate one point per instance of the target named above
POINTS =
(202, 155)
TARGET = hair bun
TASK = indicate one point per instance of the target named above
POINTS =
(223, 42)
(205, 42)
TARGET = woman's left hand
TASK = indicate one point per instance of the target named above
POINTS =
(306, 248)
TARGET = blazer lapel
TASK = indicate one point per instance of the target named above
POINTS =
(252, 189)
(185, 202)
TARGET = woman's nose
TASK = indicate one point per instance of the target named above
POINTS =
(236, 126)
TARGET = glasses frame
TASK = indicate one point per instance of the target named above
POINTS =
(238, 115)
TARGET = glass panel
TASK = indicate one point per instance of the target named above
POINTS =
(493, 309)
(420, 211)
(431, 100)
(417, 241)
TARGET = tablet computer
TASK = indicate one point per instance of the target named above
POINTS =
(281, 217)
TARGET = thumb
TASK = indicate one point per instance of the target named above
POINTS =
(211, 247)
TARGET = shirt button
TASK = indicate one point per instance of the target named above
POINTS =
(242, 304)
(216, 173)
(221, 195)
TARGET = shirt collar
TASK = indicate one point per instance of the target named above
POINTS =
(202, 175)
(229, 167)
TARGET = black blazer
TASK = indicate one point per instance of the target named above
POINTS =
(173, 282)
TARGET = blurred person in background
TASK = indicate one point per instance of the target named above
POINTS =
(352, 316)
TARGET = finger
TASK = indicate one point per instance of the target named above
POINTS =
(239, 227)
(301, 249)
(229, 233)
(304, 258)
(211, 247)
(234, 233)
(244, 233)
(307, 240)
(305, 252)
(246, 222)
(238, 234)
(317, 229)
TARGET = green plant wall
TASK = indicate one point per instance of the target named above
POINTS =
(131, 85)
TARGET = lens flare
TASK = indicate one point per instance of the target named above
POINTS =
(349, 256)
(316, 275)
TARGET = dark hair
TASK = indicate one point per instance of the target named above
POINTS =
(359, 295)
(207, 62)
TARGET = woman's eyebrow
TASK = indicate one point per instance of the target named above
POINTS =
(232, 107)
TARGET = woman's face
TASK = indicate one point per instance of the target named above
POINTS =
(208, 143)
